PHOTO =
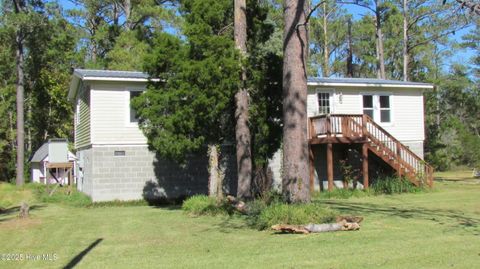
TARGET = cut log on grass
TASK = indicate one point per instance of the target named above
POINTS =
(325, 227)
(342, 225)
(24, 210)
(296, 229)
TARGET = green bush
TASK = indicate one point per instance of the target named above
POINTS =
(392, 185)
(204, 205)
(296, 214)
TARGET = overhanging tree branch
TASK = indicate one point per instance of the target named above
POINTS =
(310, 14)
(474, 7)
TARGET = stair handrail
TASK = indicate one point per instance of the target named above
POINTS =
(427, 169)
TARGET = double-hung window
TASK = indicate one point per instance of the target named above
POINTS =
(368, 105)
(384, 106)
(323, 102)
(378, 107)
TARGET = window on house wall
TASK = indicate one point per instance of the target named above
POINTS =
(133, 113)
(385, 111)
(368, 105)
(323, 102)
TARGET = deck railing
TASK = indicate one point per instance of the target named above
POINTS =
(344, 125)
(381, 141)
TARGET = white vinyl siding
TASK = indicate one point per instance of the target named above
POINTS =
(111, 114)
(406, 108)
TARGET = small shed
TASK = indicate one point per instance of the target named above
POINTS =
(53, 163)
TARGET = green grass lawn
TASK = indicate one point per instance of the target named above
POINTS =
(436, 229)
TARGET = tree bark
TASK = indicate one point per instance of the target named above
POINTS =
(127, 8)
(350, 51)
(405, 40)
(215, 181)
(379, 42)
(295, 181)
(19, 58)
(326, 71)
(242, 130)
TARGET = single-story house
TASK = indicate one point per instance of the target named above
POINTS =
(52, 163)
(367, 121)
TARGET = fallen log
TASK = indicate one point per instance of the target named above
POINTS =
(296, 229)
(343, 225)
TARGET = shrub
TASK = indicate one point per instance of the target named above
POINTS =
(392, 185)
(204, 205)
(296, 214)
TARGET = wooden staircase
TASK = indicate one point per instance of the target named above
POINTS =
(340, 128)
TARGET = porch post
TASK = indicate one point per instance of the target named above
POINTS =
(312, 169)
(365, 165)
(399, 159)
(330, 166)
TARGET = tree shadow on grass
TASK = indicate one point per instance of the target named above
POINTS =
(227, 224)
(12, 212)
(82, 254)
(453, 217)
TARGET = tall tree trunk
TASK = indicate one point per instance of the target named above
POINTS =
(325, 69)
(215, 181)
(350, 50)
(28, 123)
(295, 182)
(127, 8)
(242, 130)
(405, 40)
(379, 42)
(19, 6)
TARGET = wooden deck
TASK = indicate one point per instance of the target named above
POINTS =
(361, 129)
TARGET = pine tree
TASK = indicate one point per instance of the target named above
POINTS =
(295, 182)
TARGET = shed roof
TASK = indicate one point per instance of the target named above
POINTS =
(42, 152)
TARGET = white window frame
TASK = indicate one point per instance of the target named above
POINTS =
(376, 106)
(331, 93)
(128, 123)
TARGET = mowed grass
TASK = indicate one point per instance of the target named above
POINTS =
(436, 229)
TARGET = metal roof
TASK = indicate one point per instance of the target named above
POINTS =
(104, 75)
(40, 154)
(137, 76)
(90, 73)
(366, 82)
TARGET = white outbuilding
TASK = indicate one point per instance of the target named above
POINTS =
(53, 163)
